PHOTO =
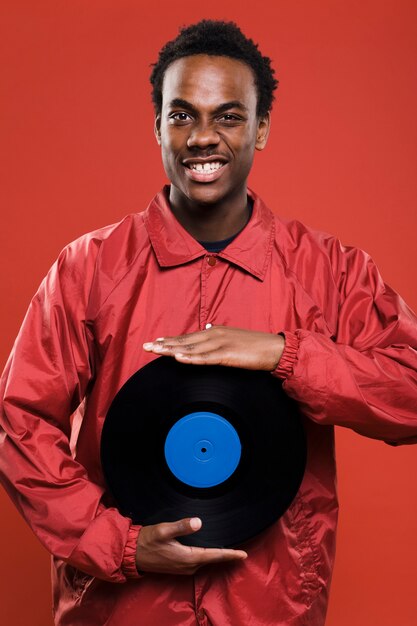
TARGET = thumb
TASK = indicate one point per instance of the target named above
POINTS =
(170, 530)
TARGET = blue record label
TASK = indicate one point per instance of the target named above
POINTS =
(202, 449)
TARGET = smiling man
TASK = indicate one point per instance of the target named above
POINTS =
(208, 127)
(206, 275)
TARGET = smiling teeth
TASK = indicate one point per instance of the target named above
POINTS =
(206, 167)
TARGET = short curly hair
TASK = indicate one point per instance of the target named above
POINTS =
(216, 38)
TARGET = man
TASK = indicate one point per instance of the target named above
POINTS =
(206, 275)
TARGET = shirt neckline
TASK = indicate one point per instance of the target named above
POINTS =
(173, 245)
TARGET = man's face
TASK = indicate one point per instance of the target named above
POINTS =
(208, 128)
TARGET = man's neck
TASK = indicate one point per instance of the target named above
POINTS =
(211, 222)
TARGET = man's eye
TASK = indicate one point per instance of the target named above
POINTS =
(229, 117)
(179, 117)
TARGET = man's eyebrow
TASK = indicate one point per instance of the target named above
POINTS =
(184, 104)
(233, 104)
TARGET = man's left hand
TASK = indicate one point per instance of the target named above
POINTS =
(221, 345)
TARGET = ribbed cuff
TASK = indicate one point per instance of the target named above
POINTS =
(129, 558)
(287, 361)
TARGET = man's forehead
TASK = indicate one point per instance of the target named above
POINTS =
(209, 80)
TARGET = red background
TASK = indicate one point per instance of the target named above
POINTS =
(78, 152)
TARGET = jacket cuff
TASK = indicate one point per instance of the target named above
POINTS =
(285, 367)
(129, 557)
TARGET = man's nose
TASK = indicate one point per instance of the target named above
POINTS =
(202, 136)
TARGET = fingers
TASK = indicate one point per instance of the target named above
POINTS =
(207, 347)
(168, 531)
(188, 341)
(204, 358)
(200, 348)
(204, 556)
(171, 530)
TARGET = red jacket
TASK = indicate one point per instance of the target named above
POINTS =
(349, 360)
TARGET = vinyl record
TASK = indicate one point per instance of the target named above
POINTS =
(220, 443)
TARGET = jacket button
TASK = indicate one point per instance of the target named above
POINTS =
(211, 260)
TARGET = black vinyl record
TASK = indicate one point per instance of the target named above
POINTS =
(220, 443)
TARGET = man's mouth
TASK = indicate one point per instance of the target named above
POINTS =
(204, 171)
(206, 167)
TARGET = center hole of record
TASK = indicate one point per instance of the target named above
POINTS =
(204, 450)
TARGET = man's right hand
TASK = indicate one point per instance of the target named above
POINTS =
(158, 551)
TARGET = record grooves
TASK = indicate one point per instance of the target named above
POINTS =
(220, 443)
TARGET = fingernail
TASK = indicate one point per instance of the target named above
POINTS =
(208, 326)
(147, 346)
(195, 523)
(160, 339)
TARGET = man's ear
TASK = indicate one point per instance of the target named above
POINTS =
(157, 128)
(262, 134)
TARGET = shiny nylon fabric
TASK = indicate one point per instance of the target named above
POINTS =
(349, 360)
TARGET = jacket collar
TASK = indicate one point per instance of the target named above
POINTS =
(173, 245)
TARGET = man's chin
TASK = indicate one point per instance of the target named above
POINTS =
(203, 194)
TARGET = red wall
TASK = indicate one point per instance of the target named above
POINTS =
(78, 153)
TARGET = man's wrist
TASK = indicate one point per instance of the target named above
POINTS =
(278, 349)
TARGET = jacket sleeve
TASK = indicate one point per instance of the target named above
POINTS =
(365, 376)
(46, 378)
